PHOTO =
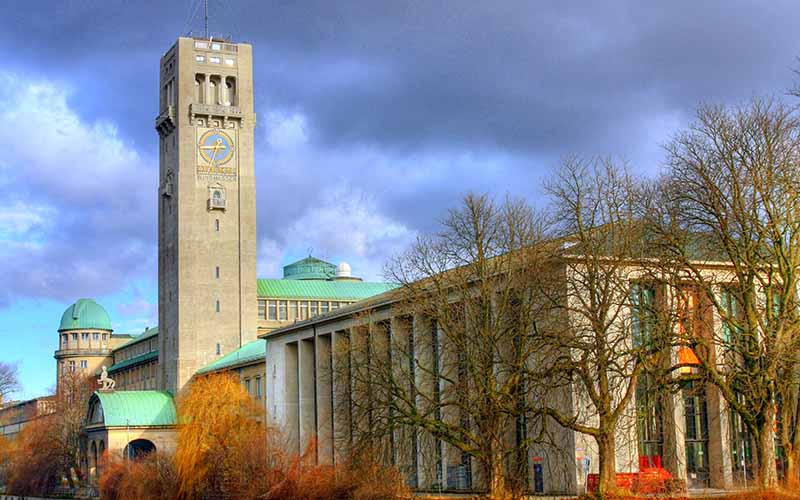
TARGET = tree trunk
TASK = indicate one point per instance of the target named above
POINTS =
(790, 474)
(767, 477)
(498, 489)
(608, 464)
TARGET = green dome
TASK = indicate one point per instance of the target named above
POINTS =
(85, 314)
(309, 268)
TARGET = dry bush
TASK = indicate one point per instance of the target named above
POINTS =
(151, 477)
(360, 478)
(33, 460)
(226, 451)
(221, 440)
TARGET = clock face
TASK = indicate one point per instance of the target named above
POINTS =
(215, 147)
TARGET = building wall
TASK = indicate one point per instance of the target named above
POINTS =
(277, 312)
(86, 351)
(300, 390)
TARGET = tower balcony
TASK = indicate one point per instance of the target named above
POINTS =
(165, 122)
(215, 110)
(88, 351)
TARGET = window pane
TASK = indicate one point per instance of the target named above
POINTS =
(323, 307)
(282, 311)
(334, 306)
(303, 309)
(293, 310)
(272, 310)
(314, 308)
(262, 309)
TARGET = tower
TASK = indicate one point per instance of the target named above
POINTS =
(207, 206)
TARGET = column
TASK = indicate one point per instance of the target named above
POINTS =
(324, 384)
(308, 397)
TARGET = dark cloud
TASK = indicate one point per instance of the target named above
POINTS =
(411, 102)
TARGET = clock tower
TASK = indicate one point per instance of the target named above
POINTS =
(207, 206)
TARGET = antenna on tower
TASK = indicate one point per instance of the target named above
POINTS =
(205, 4)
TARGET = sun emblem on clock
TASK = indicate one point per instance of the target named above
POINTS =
(216, 147)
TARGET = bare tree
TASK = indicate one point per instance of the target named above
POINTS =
(446, 378)
(9, 380)
(598, 350)
(729, 227)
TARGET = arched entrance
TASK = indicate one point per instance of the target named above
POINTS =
(139, 448)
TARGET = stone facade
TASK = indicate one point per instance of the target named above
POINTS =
(207, 206)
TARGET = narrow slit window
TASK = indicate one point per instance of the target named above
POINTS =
(217, 306)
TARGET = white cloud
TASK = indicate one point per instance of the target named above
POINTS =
(79, 203)
(286, 131)
(346, 224)
(18, 218)
(270, 256)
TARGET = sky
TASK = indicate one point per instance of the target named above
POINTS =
(374, 117)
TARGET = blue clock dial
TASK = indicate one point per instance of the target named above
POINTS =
(216, 147)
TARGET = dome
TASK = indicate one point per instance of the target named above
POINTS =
(344, 270)
(309, 268)
(85, 314)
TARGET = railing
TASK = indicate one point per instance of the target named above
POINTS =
(216, 203)
(84, 351)
(214, 109)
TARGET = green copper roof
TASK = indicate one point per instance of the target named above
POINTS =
(252, 351)
(141, 358)
(137, 408)
(317, 289)
(85, 314)
(149, 333)
(309, 268)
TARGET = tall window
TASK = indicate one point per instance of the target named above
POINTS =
(258, 386)
(293, 310)
(643, 320)
(217, 306)
(84, 364)
(272, 310)
(323, 307)
(303, 306)
(314, 308)
(247, 385)
(649, 420)
(262, 309)
(282, 310)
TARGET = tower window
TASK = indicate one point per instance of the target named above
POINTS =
(200, 58)
(216, 225)
(84, 364)
(219, 349)
(72, 366)
(229, 61)
(199, 87)
(217, 306)
(213, 59)
(216, 272)
(272, 310)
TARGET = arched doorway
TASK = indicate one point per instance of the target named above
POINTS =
(139, 448)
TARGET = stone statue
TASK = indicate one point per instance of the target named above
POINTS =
(108, 383)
